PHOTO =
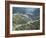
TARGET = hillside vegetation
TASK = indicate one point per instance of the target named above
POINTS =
(21, 22)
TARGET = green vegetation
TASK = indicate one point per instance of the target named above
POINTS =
(21, 23)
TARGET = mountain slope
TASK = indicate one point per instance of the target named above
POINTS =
(23, 22)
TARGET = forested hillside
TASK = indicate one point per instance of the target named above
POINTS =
(21, 22)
